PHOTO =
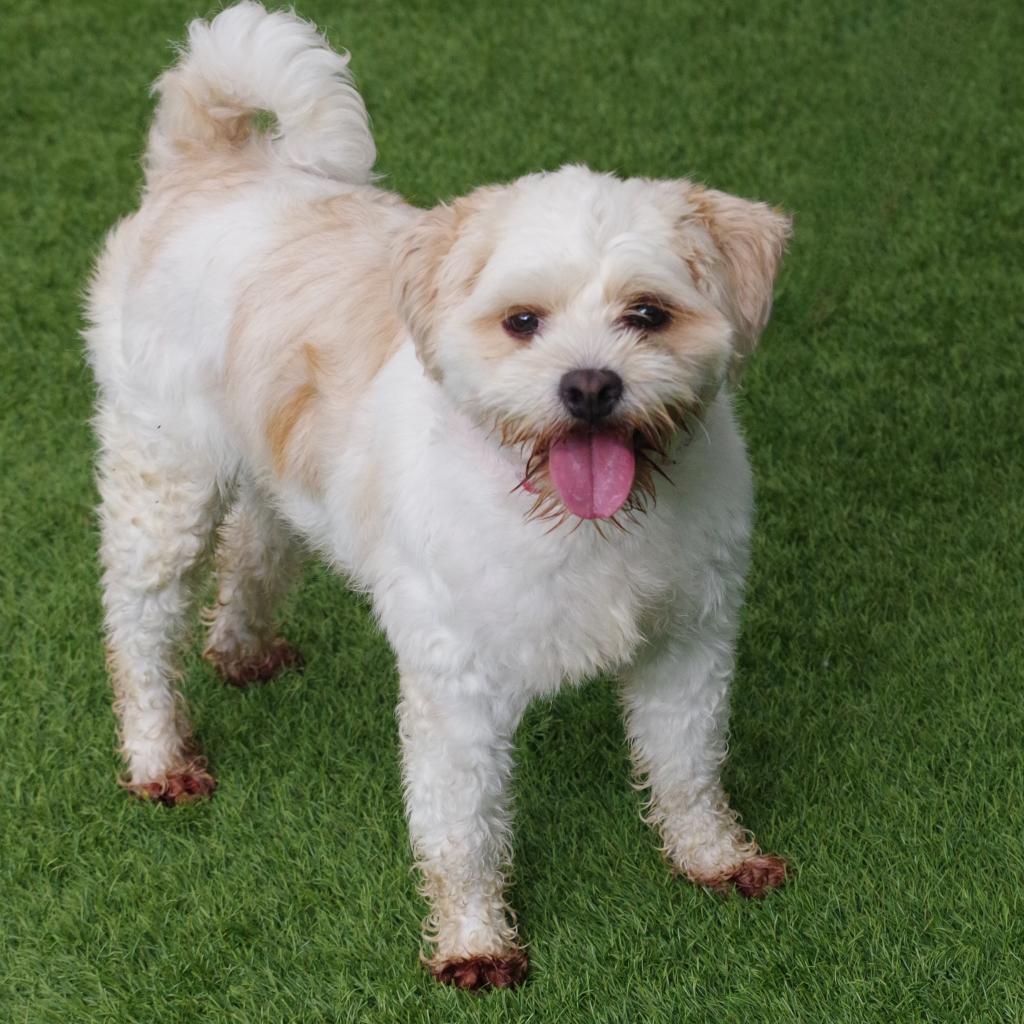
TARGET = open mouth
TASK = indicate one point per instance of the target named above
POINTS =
(596, 473)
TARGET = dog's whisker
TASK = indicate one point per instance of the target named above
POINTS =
(661, 472)
(618, 526)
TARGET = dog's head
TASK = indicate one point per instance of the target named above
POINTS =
(585, 319)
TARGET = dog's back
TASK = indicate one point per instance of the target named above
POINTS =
(232, 212)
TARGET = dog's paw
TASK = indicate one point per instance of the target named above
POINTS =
(193, 782)
(244, 670)
(754, 878)
(481, 972)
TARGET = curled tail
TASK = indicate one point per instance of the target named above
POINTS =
(248, 60)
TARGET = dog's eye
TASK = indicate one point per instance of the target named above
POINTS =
(523, 324)
(647, 316)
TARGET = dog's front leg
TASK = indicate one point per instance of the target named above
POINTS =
(677, 709)
(457, 751)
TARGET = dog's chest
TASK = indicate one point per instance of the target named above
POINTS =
(593, 612)
(548, 613)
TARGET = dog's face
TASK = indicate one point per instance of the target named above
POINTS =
(584, 320)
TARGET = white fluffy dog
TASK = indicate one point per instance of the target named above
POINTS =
(506, 419)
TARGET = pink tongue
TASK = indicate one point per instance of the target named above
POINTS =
(593, 473)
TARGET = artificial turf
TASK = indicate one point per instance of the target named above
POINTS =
(878, 720)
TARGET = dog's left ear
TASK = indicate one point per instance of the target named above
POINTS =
(749, 239)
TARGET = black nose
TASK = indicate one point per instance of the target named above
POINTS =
(590, 394)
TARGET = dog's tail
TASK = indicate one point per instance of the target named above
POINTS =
(247, 62)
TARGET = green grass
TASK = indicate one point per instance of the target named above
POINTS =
(879, 724)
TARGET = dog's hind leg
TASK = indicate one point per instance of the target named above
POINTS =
(257, 559)
(160, 503)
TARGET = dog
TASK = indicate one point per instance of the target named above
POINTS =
(507, 419)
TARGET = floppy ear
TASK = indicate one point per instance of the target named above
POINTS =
(749, 238)
(437, 261)
(416, 277)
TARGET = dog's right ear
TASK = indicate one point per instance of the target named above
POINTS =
(437, 261)
(416, 277)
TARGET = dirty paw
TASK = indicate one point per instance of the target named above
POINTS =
(481, 972)
(754, 878)
(244, 670)
(192, 783)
